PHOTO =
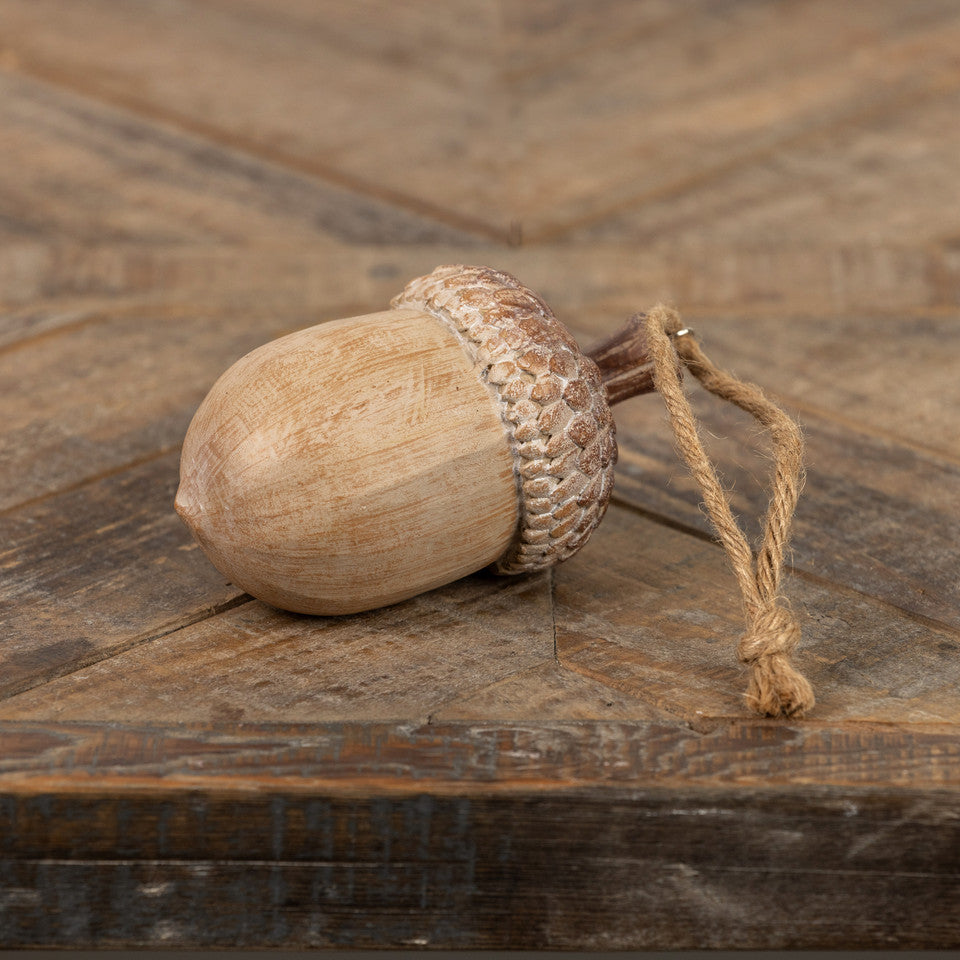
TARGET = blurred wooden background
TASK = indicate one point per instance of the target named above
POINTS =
(561, 761)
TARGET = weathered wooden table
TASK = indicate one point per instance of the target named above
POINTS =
(559, 761)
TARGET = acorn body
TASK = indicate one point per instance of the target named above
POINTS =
(350, 465)
(363, 461)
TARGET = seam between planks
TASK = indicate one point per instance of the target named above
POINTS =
(553, 615)
(75, 666)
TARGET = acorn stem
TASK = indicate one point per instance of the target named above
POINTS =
(625, 365)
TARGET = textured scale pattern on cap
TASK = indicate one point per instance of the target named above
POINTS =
(552, 400)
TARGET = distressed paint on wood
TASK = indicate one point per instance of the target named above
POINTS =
(472, 758)
(645, 868)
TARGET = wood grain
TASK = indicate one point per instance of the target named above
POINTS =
(559, 762)
(655, 614)
(256, 664)
(771, 298)
(99, 569)
(352, 86)
(846, 369)
(108, 392)
(533, 143)
(81, 169)
(53, 285)
(548, 692)
(351, 465)
(845, 183)
(687, 107)
(644, 868)
(876, 517)
(472, 758)
(646, 612)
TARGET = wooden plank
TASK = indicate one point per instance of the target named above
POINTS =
(421, 829)
(462, 758)
(884, 176)
(607, 108)
(875, 516)
(837, 354)
(548, 692)
(645, 624)
(626, 123)
(256, 664)
(98, 569)
(460, 834)
(110, 392)
(655, 614)
(421, 659)
(765, 293)
(75, 168)
(890, 377)
(547, 35)
(49, 285)
(594, 286)
(635, 869)
(387, 105)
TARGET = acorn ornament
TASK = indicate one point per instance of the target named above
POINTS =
(363, 461)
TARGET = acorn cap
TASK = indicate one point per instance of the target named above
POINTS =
(551, 399)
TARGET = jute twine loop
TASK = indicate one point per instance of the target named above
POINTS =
(776, 687)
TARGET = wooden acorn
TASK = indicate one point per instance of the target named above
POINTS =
(363, 461)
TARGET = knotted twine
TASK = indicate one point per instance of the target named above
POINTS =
(776, 688)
